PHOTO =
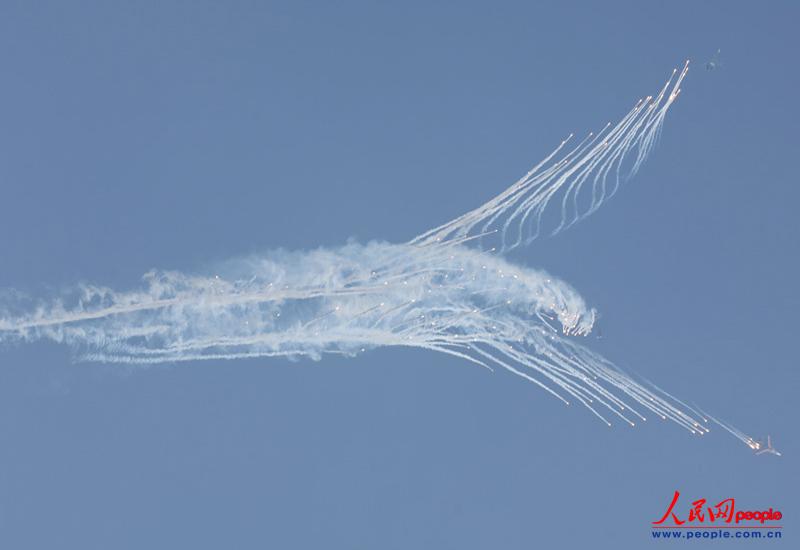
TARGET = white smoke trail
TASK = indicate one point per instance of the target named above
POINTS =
(435, 292)
(583, 170)
(444, 297)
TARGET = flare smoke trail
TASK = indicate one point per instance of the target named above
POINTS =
(445, 290)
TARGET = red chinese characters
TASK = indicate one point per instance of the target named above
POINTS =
(725, 511)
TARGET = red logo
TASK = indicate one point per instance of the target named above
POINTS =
(724, 512)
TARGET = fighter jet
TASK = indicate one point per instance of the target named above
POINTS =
(760, 449)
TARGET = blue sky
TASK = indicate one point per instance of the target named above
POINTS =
(177, 135)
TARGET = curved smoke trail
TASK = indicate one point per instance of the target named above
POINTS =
(440, 291)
